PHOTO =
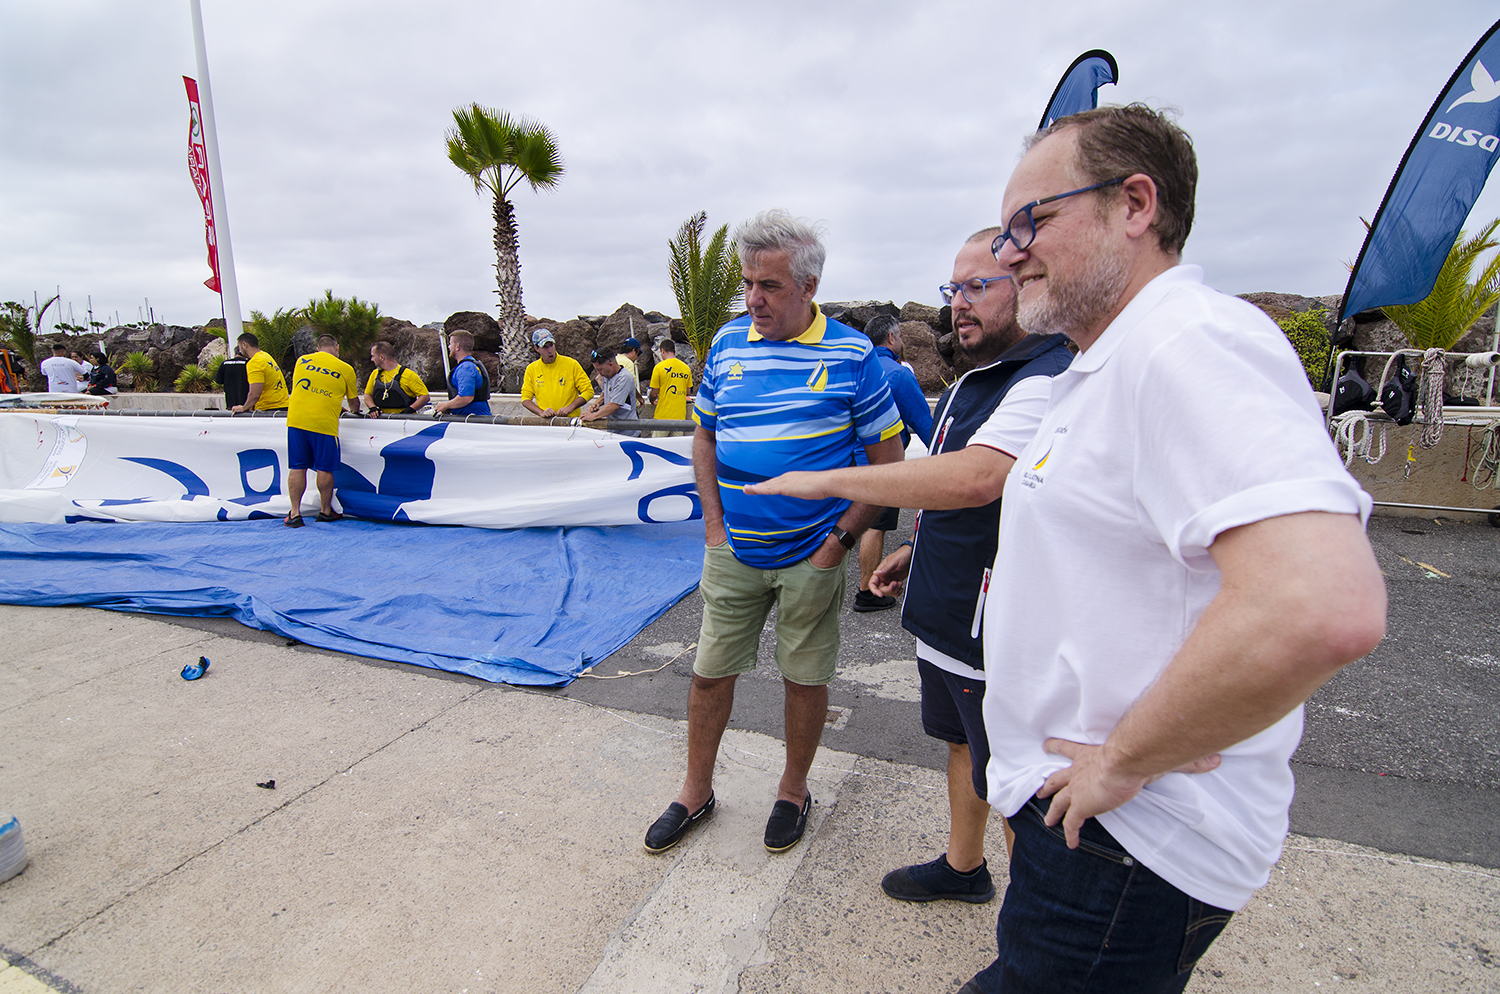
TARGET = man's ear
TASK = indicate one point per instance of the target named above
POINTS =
(810, 288)
(1139, 194)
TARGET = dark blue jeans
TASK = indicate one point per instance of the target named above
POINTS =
(1091, 919)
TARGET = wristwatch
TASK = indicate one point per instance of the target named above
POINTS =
(845, 539)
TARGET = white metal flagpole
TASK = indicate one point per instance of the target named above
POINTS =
(229, 290)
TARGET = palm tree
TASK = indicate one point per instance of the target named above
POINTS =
(497, 151)
(354, 322)
(707, 282)
(276, 332)
(1450, 310)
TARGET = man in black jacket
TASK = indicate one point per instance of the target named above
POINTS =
(946, 568)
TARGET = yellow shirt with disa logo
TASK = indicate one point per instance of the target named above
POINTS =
(320, 382)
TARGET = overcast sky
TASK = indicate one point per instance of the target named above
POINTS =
(895, 124)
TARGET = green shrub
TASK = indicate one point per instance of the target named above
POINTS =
(142, 371)
(275, 332)
(194, 379)
(16, 330)
(1309, 338)
(355, 323)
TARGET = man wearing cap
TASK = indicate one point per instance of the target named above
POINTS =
(630, 354)
(616, 391)
(555, 385)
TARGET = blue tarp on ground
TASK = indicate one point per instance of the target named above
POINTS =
(531, 606)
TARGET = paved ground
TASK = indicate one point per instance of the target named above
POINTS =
(430, 831)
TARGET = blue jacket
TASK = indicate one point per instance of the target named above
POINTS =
(952, 549)
(910, 400)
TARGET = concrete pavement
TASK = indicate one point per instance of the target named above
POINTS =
(432, 832)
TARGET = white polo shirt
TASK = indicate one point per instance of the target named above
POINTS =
(1189, 416)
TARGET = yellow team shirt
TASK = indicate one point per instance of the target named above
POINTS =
(262, 369)
(556, 385)
(320, 382)
(672, 380)
(411, 383)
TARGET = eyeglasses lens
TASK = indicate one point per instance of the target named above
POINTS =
(1022, 229)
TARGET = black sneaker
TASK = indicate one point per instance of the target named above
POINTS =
(867, 601)
(937, 881)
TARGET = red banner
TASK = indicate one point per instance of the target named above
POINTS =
(198, 169)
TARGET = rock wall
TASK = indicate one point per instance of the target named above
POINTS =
(931, 347)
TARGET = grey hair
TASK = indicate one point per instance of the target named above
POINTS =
(986, 235)
(880, 327)
(777, 231)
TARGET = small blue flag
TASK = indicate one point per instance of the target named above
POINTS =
(1079, 88)
(1430, 196)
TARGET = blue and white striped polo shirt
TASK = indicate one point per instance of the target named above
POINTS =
(806, 404)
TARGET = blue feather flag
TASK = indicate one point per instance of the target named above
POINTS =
(1435, 187)
(1079, 87)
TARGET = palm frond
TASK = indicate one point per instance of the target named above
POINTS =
(705, 280)
(1446, 314)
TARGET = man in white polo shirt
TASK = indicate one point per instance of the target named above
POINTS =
(1181, 563)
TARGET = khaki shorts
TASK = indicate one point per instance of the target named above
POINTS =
(738, 598)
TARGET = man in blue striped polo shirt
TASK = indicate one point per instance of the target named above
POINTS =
(783, 388)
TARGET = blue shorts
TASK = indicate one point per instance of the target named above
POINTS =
(312, 450)
(953, 710)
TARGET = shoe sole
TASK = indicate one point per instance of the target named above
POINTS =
(867, 610)
(967, 898)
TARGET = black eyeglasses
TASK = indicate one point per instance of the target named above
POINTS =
(1021, 230)
(973, 290)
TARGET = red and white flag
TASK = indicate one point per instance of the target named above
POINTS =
(198, 168)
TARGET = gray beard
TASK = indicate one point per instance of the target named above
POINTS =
(1078, 304)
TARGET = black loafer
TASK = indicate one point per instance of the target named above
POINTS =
(674, 823)
(785, 826)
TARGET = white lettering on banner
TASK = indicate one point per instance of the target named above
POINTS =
(1464, 136)
(206, 469)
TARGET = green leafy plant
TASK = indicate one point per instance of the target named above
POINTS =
(142, 371)
(1309, 337)
(19, 324)
(1450, 310)
(194, 379)
(355, 323)
(275, 332)
(213, 366)
(497, 151)
(706, 280)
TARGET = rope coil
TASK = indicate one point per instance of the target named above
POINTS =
(1353, 434)
(1484, 465)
